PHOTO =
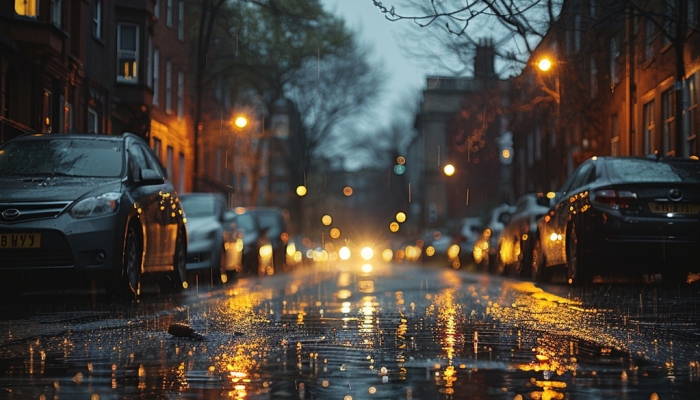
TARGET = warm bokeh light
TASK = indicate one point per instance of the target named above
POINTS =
(367, 253)
(544, 64)
(401, 160)
(347, 191)
(394, 227)
(344, 253)
(241, 122)
(400, 216)
(301, 191)
(335, 233)
(367, 268)
(505, 154)
(326, 220)
(449, 169)
(387, 255)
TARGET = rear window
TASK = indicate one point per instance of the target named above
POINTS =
(200, 206)
(245, 222)
(637, 171)
(75, 158)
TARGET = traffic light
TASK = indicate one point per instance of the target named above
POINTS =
(400, 167)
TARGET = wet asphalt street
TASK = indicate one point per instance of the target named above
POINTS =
(353, 331)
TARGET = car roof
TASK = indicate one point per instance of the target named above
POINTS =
(77, 136)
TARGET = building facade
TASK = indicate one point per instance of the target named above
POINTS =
(102, 66)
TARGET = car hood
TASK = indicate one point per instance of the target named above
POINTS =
(54, 188)
(202, 224)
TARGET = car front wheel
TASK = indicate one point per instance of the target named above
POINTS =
(132, 262)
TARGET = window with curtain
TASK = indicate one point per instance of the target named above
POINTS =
(127, 53)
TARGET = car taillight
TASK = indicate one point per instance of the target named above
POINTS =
(617, 199)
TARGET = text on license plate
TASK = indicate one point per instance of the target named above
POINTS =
(676, 208)
(20, 240)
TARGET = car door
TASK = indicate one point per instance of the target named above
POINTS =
(150, 199)
(554, 235)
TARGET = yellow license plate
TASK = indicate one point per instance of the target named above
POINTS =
(675, 208)
(20, 240)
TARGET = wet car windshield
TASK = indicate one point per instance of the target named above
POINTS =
(245, 222)
(199, 206)
(75, 158)
(631, 170)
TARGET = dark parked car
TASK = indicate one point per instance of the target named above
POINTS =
(484, 251)
(624, 218)
(255, 247)
(88, 206)
(211, 246)
(515, 244)
(273, 225)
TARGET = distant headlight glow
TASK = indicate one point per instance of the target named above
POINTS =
(367, 253)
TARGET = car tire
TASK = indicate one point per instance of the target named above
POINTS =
(575, 262)
(132, 262)
(538, 267)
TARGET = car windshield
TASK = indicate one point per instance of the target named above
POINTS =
(637, 170)
(245, 222)
(200, 206)
(75, 158)
(270, 222)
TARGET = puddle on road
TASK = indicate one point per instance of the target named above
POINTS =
(356, 336)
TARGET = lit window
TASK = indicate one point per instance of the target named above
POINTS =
(26, 7)
(127, 53)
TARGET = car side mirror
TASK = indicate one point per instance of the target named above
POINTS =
(150, 177)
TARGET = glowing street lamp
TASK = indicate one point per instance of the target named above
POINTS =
(449, 170)
(241, 122)
(544, 64)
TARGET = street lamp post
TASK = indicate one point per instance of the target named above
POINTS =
(545, 65)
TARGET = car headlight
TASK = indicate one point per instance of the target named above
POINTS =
(96, 206)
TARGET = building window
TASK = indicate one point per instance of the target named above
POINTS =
(180, 95)
(67, 117)
(648, 127)
(156, 9)
(26, 8)
(56, 12)
(614, 53)
(691, 12)
(93, 121)
(97, 20)
(158, 148)
(594, 78)
(691, 93)
(181, 20)
(169, 13)
(169, 161)
(649, 32)
(669, 25)
(149, 61)
(168, 87)
(668, 109)
(47, 106)
(577, 33)
(181, 175)
(614, 136)
(127, 53)
(156, 76)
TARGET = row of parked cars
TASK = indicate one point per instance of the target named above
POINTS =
(225, 242)
(86, 209)
(615, 219)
